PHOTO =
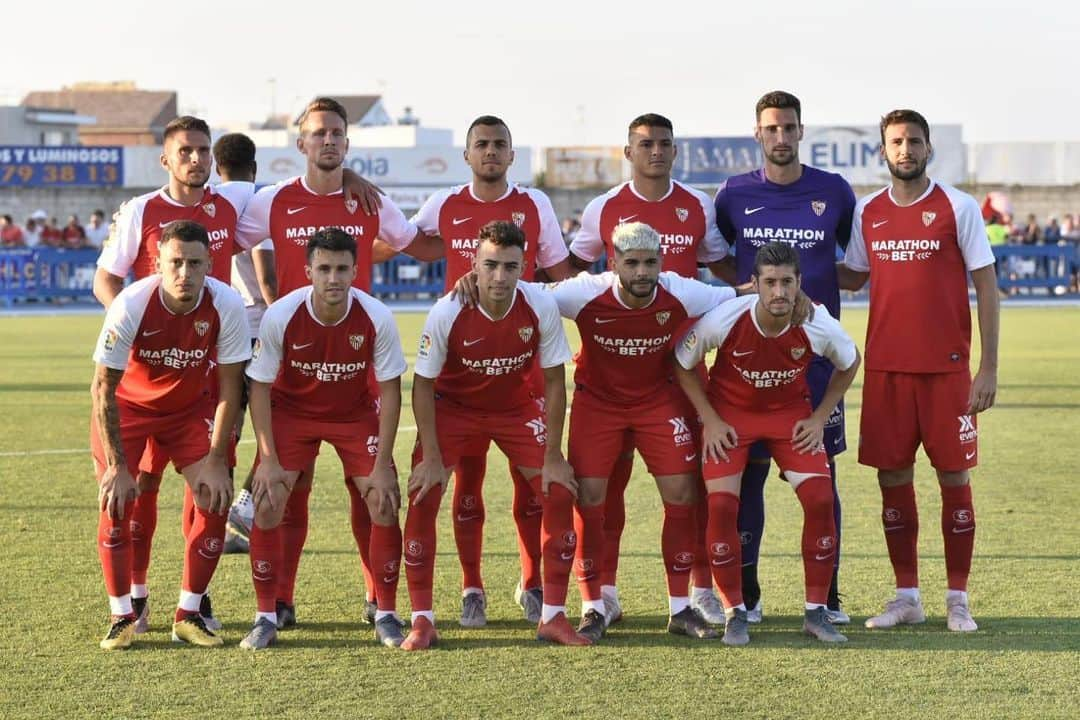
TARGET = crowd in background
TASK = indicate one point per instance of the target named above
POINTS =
(42, 230)
(1004, 229)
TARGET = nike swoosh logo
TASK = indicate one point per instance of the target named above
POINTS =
(893, 527)
(112, 544)
(413, 564)
(301, 347)
(627, 218)
(688, 458)
(164, 224)
(259, 578)
(823, 557)
(604, 322)
(736, 353)
(470, 343)
(836, 441)
(534, 513)
(389, 579)
(467, 518)
(751, 211)
(679, 568)
(725, 562)
(957, 531)
(564, 556)
(879, 223)
(458, 221)
(148, 333)
(293, 211)
(968, 456)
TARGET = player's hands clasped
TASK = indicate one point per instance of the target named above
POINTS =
(115, 490)
(425, 476)
(557, 471)
(717, 436)
(808, 435)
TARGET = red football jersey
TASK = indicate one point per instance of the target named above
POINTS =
(625, 355)
(456, 215)
(167, 358)
(757, 373)
(685, 219)
(919, 257)
(289, 213)
(133, 244)
(321, 371)
(484, 364)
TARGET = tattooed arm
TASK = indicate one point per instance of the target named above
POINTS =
(116, 486)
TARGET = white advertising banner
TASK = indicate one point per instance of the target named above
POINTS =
(854, 152)
(1026, 163)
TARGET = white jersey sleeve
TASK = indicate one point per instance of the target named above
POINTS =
(573, 294)
(697, 297)
(551, 248)
(394, 229)
(234, 340)
(855, 256)
(389, 358)
(435, 338)
(269, 350)
(122, 246)
(828, 339)
(426, 218)
(253, 227)
(122, 323)
(713, 246)
(711, 330)
(970, 229)
(554, 349)
(238, 193)
(587, 243)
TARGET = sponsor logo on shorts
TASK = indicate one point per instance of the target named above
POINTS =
(680, 431)
(968, 432)
(539, 430)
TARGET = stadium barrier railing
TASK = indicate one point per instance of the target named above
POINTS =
(1036, 266)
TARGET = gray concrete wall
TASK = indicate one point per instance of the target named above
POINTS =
(61, 202)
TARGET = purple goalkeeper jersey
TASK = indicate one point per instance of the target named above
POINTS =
(813, 214)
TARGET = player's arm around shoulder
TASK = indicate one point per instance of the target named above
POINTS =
(697, 297)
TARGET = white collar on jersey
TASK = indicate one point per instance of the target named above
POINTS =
(510, 187)
(164, 193)
(303, 184)
(198, 300)
(916, 201)
(671, 189)
(615, 292)
(753, 316)
(311, 308)
(512, 301)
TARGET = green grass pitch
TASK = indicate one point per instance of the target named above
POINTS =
(1024, 661)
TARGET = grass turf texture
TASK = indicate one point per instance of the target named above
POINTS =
(1023, 662)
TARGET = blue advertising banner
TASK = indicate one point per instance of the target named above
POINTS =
(712, 160)
(60, 166)
(45, 273)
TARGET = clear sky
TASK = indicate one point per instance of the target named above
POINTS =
(575, 73)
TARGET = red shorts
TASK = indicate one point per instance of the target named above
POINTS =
(902, 410)
(773, 429)
(298, 439)
(666, 433)
(521, 433)
(182, 438)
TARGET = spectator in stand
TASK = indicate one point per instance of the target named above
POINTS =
(97, 231)
(570, 227)
(50, 233)
(11, 235)
(73, 236)
(1032, 233)
(32, 232)
(996, 230)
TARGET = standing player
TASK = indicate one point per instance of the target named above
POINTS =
(810, 210)
(456, 215)
(133, 248)
(472, 386)
(758, 391)
(316, 346)
(685, 219)
(288, 214)
(920, 239)
(160, 334)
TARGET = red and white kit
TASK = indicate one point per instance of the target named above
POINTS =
(456, 215)
(320, 377)
(685, 219)
(289, 213)
(133, 245)
(919, 336)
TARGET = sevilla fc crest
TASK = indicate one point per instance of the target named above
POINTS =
(210, 209)
(928, 217)
(351, 206)
(682, 214)
(818, 206)
(797, 352)
(525, 333)
(356, 341)
(202, 327)
(518, 218)
(663, 316)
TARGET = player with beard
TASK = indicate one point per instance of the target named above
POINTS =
(920, 240)
(758, 391)
(809, 209)
(159, 336)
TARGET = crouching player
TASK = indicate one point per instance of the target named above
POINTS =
(758, 391)
(310, 384)
(471, 386)
(151, 382)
